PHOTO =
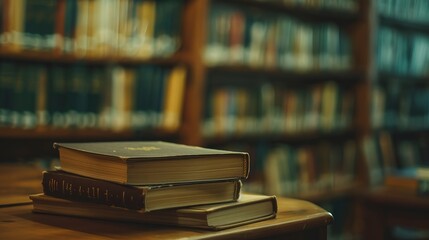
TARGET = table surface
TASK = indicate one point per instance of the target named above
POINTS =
(18, 222)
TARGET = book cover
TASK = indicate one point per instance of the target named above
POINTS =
(151, 162)
(248, 209)
(409, 179)
(144, 198)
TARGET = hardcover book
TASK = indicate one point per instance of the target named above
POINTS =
(144, 198)
(413, 180)
(151, 163)
(248, 209)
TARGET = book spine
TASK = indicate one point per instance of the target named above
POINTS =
(417, 186)
(73, 187)
(423, 187)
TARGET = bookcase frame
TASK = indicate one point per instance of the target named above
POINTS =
(361, 27)
(390, 78)
(193, 38)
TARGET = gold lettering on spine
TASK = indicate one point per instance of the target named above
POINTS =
(67, 189)
(98, 193)
(64, 187)
(123, 197)
(106, 193)
(50, 184)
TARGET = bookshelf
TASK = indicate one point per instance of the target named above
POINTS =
(95, 70)
(400, 87)
(238, 76)
(191, 33)
(232, 81)
(229, 69)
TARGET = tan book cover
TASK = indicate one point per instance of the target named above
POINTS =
(248, 209)
(151, 162)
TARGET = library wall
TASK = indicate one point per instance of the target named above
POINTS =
(399, 94)
(327, 96)
(90, 70)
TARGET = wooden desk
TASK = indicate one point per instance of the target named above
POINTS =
(17, 181)
(387, 208)
(296, 219)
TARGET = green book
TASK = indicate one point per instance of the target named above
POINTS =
(39, 24)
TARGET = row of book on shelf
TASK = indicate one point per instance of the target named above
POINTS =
(144, 28)
(291, 170)
(397, 161)
(82, 96)
(397, 107)
(402, 52)
(269, 108)
(394, 160)
(152, 182)
(299, 169)
(412, 11)
(262, 39)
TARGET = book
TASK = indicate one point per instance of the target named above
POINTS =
(422, 172)
(413, 180)
(39, 22)
(144, 198)
(248, 209)
(151, 162)
(173, 98)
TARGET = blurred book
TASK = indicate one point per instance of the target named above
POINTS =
(413, 180)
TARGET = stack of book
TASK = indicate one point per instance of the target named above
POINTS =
(152, 182)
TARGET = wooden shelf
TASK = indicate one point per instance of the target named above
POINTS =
(71, 134)
(305, 13)
(52, 57)
(237, 73)
(329, 194)
(302, 137)
(403, 24)
(405, 132)
(388, 77)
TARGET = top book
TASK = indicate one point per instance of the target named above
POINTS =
(151, 163)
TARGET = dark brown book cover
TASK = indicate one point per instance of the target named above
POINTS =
(74, 187)
(147, 150)
(78, 188)
(151, 162)
(248, 209)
